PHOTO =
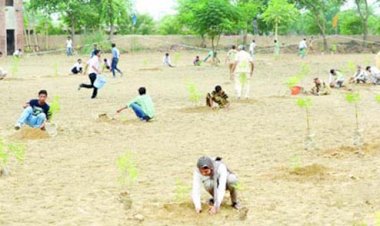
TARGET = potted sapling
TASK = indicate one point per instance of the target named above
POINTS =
(128, 176)
(354, 98)
(305, 103)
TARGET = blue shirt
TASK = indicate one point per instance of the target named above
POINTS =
(115, 53)
(38, 109)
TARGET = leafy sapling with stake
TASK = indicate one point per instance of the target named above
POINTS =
(305, 103)
(194, 94)
(354, 98)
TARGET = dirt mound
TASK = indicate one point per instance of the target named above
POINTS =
(105, 118)
(28, 133)
(342, 151)
(309, 171)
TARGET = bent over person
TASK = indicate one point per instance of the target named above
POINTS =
(216, 178)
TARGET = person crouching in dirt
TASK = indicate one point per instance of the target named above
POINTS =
(360, 76)
(336, 79)
(218, 96)
(216, 179)
(320, 88)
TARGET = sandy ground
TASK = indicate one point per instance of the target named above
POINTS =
(72, 179)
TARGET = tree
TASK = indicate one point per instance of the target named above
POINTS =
(170, 25)
(364, 13)
(112, 12)
(209, 17)
(249, 9)
(280, 12)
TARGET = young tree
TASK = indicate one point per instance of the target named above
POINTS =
(249, 9)
(280, 12)
(113, 11)
(364, 13)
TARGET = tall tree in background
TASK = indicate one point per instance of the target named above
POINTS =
(249, 9)
(280, 12)
(112, 12)
(364, 13)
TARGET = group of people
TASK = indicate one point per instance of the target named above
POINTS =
(370, 75)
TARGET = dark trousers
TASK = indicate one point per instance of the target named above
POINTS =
(75, 70)
(114, 63)
(92, 77)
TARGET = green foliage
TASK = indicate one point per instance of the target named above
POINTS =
(194, 94)
(295, 162)
(353, 97)
(350, 67)
(127, 168)
(377, 98)
(15, 65)
(182, 191)
(304, 102)
(350, 23)
(170, 25)
(54, 107)
(297, 78)
(8, 150)
(95, 38)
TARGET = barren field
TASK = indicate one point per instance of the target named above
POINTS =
(72, 178)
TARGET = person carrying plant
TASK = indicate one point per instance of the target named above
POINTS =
(216, 178)
(243, 72)
(320, 88)
(115, 60)
(94, 71)
(141, 105)
(36, 112)
(336, 79)
(230, 60)
(218, 96)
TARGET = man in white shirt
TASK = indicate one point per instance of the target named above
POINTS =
(77, 68)
(18, 53)
(166, 60)
(216, 179)
(94, 71)
(243, 70)
(69, 46)
(252, 48)
(360, 76)
(336, 79)
(302, 48)
(374, 73)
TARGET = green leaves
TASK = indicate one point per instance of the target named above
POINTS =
(304, 102)
(377, 98)
(54, 107)
(182, 191)
(353, 97)
(127, 168)
(296, 79)
(8, 150)
(194, 94)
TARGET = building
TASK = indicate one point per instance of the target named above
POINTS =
(11, 26)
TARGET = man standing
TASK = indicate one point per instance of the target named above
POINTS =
(94, 71)
(69, 46)
(302, 48)
(216, 179)
(252, 48)
(115, 60)
(243, 71)
(35, 113)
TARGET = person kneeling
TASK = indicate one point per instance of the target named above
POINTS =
(77, 68)
(218, 96)
(320, 88)
(36, 112)
(141, 105)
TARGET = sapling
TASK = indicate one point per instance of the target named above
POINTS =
(54, 107)
(127, 168)
(354, 98)
(295, 162)
(350, 68)
(15, 65)
(297, 78)
(182, 191)
(377, 98)
(15, 150)
(306, 103)
(194, 94)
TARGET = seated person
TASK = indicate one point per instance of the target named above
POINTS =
(216, 178)
(18, 53)
(106, 65)
(36, 112)
(77, 68)
(166, 60)
(320, 88)
(360, 76)
(374, 73)
(197, 61)
(218, 96)
(336, 79)
(141, 105)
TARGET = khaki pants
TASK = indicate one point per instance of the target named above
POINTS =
(242, 84)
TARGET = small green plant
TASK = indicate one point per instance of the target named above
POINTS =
(182, 191)
(377, 98)
(15, 66)
(354, 98)
(306, 103)
(350, 68)
(194, 94)
(54, 107)
(127, 168)
(297, 78)
(9, 150)
(145, 62)
(295, 162)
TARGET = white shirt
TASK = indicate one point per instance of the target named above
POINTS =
(78, 66)
(166, 60)
(243, 60)
(199, 179)
(69, 43)
(252, 47)
(93, 62)
(17, 53)
(302, 45)
(339, 77)
(362, 75)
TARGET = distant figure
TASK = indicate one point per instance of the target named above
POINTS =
(197, 61)
(166, 60)
(360, 76)
(216, 178)
(218, 96)
(106, 65)
(77, 68)
(3, 73)
(320, 88)
(94, 71)
(115, 60)
(94, 50)
(18, 53)
(374, 73)
(276, 48)
(230, 60)
(243, 70)
(302, 47)
(69, 46)
(252, 48)
(336, 79)
(141, 105)
(214, 57)
(36, 112)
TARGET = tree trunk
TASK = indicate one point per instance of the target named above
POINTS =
(72, 29)
(276, 31)
(112, 28)
(325, 45)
